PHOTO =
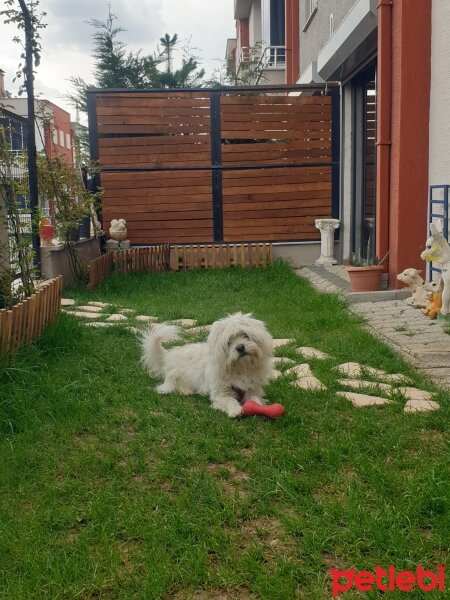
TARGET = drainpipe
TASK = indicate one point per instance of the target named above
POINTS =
(384, 109)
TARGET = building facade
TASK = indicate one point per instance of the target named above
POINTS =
(260, 40)
(391, 59)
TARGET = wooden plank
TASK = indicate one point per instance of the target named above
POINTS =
(276, 123)
(159, 191)
(275, 172)
(167, 129)
(275, 212)
(257, 208)
(246, 113)
(268, 178)
(280, 146)
(188, 215)
(294, 236)
(263, 100)
(279, 134)
(230, 191)
(153, 102)
(146, 205)
(268, 229)
(153, 111)
(177, 123)
(112, 144)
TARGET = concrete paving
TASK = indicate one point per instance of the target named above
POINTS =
(422, 342)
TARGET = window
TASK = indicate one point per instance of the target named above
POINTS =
(61, 138)
(68, 141)
(311, 7)
(277, 23)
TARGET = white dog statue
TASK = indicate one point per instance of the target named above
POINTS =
(438, 251)
(232, 366)
(411, 277)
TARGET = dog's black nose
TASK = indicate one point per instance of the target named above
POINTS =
(241, 349)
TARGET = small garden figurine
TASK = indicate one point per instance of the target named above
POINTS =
(411, 277)
(434, 293)
(438, 251)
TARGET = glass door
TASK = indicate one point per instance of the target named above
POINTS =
(364, 164)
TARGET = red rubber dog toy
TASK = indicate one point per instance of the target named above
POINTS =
(250, 408)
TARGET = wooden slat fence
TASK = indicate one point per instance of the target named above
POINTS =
(215, 166)
(220, 256)
(98, 269)
(158, 259)
(154, 259)
(26, 321)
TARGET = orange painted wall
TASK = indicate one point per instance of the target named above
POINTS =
(411, 73)
(292, 41)
(60, 122)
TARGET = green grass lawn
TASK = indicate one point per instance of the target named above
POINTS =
(111, 491)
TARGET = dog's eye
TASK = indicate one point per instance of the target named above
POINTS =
(247, 337)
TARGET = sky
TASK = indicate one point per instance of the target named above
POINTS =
(67, 40)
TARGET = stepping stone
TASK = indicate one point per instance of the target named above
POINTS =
(309, 383)
(353, 369)
(83, 315)
(362, 400)
(281, 342)
(67, 302)
(303, 370)
(133, 330)
(309, 352)
(99, 324)
(276, 374)
(395, 377)
(94, 309)
(125, 311)
(184, 322)
(412, 393)
(358, 384)
(146, 319)
(100, 304)
(117, 317)
(413, 406)
(200, 329)
(283, 360)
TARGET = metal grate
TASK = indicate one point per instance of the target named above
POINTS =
(439, 214)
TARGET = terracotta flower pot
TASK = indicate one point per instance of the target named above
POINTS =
(365, 279)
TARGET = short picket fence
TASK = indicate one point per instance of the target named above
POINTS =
(26, 321)
(179, 257)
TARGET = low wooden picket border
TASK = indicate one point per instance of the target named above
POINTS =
(221, 256)
(26, 321)
(154, 259)
(98, 269)
(165, 257)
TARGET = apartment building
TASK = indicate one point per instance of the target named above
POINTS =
(263, 39)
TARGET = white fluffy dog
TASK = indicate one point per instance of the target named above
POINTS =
(232, 366)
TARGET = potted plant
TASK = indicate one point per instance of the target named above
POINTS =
(364, 272)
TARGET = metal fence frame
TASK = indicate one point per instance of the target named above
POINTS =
(216, 167)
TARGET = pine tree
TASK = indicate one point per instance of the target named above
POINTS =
(116, 67)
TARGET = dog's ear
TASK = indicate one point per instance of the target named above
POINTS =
(218, 344)
(262, 337)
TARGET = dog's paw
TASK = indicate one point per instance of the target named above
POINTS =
(229, 406)
(234, 410)
(163, 388)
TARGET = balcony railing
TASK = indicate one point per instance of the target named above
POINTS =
(264, 58)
